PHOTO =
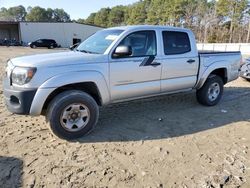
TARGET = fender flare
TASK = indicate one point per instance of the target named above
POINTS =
(60, 80)
(214, 66)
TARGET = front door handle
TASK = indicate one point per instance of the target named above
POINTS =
(155, 64)
(190, 61)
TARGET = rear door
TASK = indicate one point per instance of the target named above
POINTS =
(180, 63)
(136, 75)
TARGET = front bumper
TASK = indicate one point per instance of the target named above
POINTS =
(18, 100)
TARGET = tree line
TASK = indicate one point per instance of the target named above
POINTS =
(19, 13)
(211, 21)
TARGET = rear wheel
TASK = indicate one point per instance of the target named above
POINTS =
(211, 92)
(72, 114)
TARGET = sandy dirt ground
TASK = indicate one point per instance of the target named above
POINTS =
(169, 141)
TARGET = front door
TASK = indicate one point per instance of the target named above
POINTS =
(138, 74)
(40, 43)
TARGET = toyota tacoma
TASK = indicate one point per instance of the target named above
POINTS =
(114, 65)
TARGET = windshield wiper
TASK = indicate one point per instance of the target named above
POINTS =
(88, 52)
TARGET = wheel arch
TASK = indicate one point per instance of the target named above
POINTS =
(88, 87)
(91, 82)
(221, 71)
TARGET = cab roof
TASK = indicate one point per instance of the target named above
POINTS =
(149, 27)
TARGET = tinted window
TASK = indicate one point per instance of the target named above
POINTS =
(46, 41)
(142, 43)
(176, 42)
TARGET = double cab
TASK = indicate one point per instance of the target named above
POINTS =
(114, 65)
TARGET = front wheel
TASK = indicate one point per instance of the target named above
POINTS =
(72, 114)
(211, 92)
(51, 46)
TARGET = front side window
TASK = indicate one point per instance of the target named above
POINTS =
(176, 42)
(99, 42)
(142, 43)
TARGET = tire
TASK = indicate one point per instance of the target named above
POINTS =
(70, 104)
(33, 46)
(211, 92)
(51, 46)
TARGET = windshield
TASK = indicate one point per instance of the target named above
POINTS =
(99, 42)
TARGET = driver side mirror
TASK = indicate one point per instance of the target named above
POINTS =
(122, 51)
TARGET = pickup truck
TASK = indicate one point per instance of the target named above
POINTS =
(114, 65)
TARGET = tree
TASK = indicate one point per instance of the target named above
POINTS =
(80, 20)
(189, 12)
(211, 20)
(37, 14)
(59, 15)
(152, 15)
(17, 13)
(205, 20)
(138, 13)
(248, 18)
(51, 15)
(174, 12)
(91, 19)
(231, 10)
(101, 17)
(3, 14)
(116, 16)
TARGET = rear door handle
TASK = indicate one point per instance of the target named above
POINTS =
(190, 61)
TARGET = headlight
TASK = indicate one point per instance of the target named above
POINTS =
(22, 75)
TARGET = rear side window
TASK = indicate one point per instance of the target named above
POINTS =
(176, 42)
(49, 41)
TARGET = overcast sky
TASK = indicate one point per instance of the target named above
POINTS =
(76, 8)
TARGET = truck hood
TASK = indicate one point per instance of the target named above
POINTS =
(58, 59)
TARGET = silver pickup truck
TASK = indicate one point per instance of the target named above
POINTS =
(114, 65)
